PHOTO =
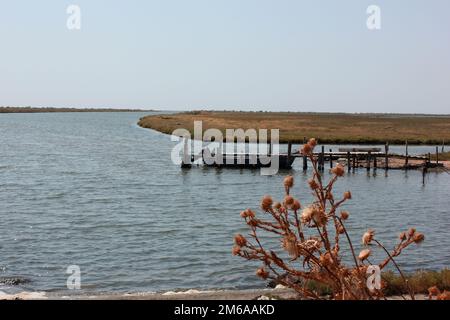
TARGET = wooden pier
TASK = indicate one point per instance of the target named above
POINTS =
(361, 157)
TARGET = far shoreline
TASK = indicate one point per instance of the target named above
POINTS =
(327, 128)
(10, 110)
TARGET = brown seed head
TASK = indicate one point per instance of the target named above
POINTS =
(338, 170)
(368, 237)
(411, 232)
(347, 195)
(364, 254)
(288, 182)
(266, 203)
(262, 273)
(344, 215)
(288, 201)
(313, 184)
(418, 237)
(307, 214)
(306, 149)
(236, 250)
(312, 143)
(290, 245)
(240, 240)
(296, 205)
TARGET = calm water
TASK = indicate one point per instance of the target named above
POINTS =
(95, 190)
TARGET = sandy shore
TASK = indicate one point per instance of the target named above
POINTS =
(254, 294)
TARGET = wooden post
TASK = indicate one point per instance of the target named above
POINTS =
(368, 160)
(406, 154)
(186, 157)
(375, 162)
(429, 157)
(289, 151)
(443, 145)
(386, 156)
(322, 158)
(331, 159)
(349, 163)
(424, 172)
(437, 156)
(354, 162)
(305, 159)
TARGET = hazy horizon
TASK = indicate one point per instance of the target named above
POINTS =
(289, 55)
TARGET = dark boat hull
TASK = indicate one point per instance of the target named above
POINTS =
(249, 161)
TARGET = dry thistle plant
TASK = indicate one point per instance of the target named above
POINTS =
(311, 242)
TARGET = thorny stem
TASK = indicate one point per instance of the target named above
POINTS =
(411, 293)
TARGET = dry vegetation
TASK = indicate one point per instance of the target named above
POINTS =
(327, 128)
(314, 240)
(442, 156)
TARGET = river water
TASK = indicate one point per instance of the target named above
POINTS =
(96, 191)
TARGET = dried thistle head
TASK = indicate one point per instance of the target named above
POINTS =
(347, 195)
(277, 206)
(312, 143)
(296, 205)
(248, 213)
(338, 170)
(364, 254)
(368, 237)
(344, 215)
(240, 240)
(402, 236)
(262, 273)
(313, 184)
(266, 203)
(306, 149)
(288, 201)
(289, 243)
(319, 217)
(288, 182)
(307, 214)
(411, 232)
(418, 238)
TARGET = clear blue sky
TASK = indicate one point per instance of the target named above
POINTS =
(228, 54)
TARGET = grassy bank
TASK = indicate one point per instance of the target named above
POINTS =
(419, 281)
(442, 156)
(46, 110)
(327, 127)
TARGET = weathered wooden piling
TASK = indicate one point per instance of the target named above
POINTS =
(322, 159)
(406, 154)
(186, 162)
(331, 159)
(368, 160)
(386, 156)
(424, 172)
(354, 162)
(349, 164)
(289, 150)
(375, 163)
(437, 155)
(305, 159)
